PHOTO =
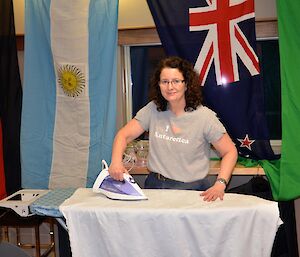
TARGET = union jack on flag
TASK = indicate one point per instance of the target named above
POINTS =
(225, 40)
(218, 37)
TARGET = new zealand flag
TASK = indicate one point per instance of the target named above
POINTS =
(218, 36)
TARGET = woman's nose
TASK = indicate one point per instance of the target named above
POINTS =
(170, 85)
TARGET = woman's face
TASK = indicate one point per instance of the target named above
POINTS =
(172, 85)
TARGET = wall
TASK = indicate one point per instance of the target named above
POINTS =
(135, 13)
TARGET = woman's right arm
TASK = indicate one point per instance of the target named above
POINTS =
(125, 135)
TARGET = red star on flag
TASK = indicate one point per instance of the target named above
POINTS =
(246, 142)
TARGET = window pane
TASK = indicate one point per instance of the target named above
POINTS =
(268, 52)
(143, 61)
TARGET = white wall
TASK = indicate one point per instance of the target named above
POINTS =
(136, 14)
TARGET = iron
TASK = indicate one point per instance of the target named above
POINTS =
(127, 189)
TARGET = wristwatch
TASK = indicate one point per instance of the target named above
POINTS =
(222, 181)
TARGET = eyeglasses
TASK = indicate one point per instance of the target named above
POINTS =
(174, 82)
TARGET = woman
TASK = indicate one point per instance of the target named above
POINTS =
(181, 131)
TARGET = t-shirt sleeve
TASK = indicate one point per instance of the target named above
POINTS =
(214, 129)
(143, 116)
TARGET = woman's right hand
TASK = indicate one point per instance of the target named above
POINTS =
(116, 171)
(129, 132)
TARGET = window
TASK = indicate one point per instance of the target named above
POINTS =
(268, 52)
(143, 60)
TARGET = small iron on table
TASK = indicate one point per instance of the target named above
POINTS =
(127, 189)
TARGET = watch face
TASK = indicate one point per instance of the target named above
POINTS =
(222, 180)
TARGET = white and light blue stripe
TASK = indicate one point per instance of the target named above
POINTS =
(64, 138)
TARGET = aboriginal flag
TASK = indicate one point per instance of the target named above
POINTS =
(10, 103)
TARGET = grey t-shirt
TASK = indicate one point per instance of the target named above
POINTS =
(179, 147)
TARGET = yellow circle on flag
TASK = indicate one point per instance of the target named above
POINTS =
(71, 79)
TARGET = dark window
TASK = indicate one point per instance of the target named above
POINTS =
(143, 61)
(268, 53)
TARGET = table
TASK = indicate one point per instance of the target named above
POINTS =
(175, 223)
(214, 169)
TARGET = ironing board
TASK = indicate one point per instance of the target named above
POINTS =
(27, 202)
(48, 205)
(170, 223)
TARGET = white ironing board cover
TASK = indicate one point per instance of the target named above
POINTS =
(170, 223)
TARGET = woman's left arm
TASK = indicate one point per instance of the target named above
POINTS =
(228, 152)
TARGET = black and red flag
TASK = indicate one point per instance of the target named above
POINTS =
(218, 37)
(10, 103)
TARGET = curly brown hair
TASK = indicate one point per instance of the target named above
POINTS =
(193, 94)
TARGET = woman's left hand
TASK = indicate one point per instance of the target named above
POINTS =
(214, 192)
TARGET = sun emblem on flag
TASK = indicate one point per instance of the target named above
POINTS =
(71, 79)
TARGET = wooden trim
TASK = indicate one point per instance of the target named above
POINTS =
(214, 170)
(266, 28)
(238, 169)
(140, 36)
(20, 42)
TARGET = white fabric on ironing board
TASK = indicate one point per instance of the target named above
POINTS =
(171, 223)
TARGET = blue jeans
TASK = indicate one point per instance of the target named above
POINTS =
(153, 182)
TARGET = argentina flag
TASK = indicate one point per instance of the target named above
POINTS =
(69, 100)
